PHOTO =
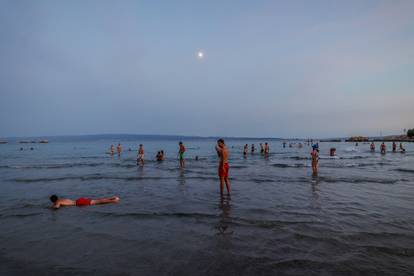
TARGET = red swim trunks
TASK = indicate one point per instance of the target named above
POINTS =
(83, 201)
(224, 172)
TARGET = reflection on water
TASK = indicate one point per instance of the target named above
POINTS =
(225, 220)
(181, 176)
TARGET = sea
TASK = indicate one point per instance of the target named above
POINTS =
(355, 218)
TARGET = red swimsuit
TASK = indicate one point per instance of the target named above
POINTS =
(83, 201)
(224, 172)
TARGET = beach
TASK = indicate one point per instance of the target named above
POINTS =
(355, 218)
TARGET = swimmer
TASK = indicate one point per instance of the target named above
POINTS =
(261, 148)
(253, 149)
(284, 144)
(266, 148)
(245, 150)
(140, 157)
(394, 147)
(158, 156)
(181, 152)
(223, 168)
(383, 148)
(112, 149)
(332, 152)
(119, 149)
(402, 149)
(315, 156)
(372, 147)
(58, 202)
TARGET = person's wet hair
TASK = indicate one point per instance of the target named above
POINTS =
(220, 141)
(54, 198)
(180, 143)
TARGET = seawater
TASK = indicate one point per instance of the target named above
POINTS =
(355, 218)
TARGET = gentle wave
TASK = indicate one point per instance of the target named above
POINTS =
(283, 165)
(53, 166)
(101, 177)
(404, 170)
(359, 180)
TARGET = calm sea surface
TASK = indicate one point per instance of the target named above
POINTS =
(355, 218)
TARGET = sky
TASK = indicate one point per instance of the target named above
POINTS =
(270, 68)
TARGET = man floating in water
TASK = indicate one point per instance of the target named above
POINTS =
(181, 152)
(140, 157)
(223, 169)
(315, 156)
(83, 201)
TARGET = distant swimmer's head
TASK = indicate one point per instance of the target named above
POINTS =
(180, 143)
(140, 145)
(54, 198)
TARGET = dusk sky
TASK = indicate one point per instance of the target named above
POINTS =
(270, 68)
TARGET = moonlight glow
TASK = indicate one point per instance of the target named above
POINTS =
(200, 55)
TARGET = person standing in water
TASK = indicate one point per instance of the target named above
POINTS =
(383, 148)
(253, 149)
(315, 156)
(266, 149)
(223, 168)
(181, 152)
(112, 149)
(394, 147)
(261, 148)
(140, 157)
(245, 150)
(372, 147)
(119, 148)
(402, 149)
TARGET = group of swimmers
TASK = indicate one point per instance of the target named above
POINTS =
(223, 168)
(223, 173)
(264, 149)
(383, 147)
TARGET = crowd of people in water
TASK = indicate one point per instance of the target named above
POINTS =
(223, 164)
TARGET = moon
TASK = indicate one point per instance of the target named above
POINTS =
(200, 55)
